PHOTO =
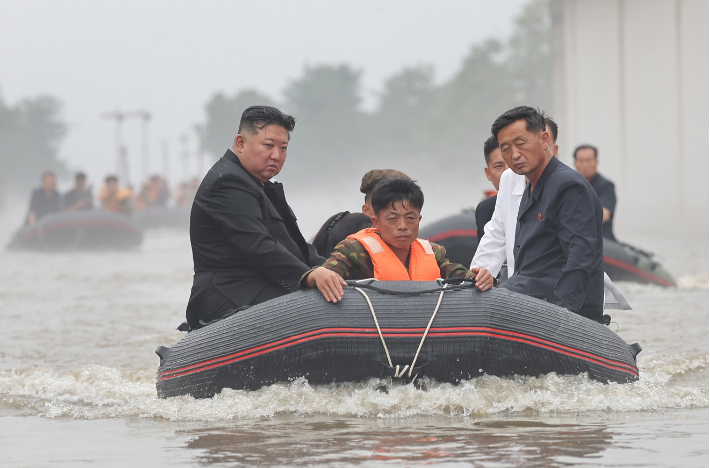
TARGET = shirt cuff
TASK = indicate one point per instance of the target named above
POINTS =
(303, 278)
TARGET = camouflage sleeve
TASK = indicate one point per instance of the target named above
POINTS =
(448, 269)
(347, 260)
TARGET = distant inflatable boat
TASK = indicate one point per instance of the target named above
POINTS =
(378, 331)
(622, 262)
(457, 233)
(79, 230)
(162, 217)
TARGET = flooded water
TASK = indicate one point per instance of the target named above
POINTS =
(77, 383)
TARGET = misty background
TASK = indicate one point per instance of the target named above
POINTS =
(410, 85)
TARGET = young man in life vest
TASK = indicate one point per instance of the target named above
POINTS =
(390, 250)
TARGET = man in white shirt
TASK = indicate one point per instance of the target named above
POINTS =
(497, 244)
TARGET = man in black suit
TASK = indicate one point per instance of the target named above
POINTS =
(246, 245)
(495, 166)
(585, 161)
(558, 239)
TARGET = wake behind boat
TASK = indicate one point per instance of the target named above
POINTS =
(497, 333)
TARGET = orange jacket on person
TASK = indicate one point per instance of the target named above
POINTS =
(387, 267)
(115, 202)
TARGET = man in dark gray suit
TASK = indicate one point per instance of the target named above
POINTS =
(246, 245)
(558, 239)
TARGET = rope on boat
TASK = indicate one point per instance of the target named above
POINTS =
(441, 296)
(397, 373)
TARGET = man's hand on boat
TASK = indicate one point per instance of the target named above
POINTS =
(484, 279)
(328, 282)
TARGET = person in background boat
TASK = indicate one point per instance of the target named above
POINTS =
(389, 251)
(558, 241)
(247, 247)
(186, 193)
(337, 228)
(154, 192)
(79, 198)
(45, 200)
(115, 199)
(585, 161)
(370, 181)
(494, 169)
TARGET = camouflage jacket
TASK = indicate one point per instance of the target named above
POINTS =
(351, 261)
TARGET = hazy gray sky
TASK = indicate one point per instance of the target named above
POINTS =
(170, 56)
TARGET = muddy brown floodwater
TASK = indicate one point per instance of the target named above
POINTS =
(77, 383)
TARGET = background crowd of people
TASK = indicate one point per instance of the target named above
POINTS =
(154, 192)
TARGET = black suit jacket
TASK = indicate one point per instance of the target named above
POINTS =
(558, 242)
(484, 213)
(607, 196)
(244, 235)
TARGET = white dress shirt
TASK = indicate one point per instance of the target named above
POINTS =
(497, 243)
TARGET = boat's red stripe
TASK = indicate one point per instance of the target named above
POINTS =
(370, 333)
(80, 223)
(395, 333)
(644, 274)
(453, 233)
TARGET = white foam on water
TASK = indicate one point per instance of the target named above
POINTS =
(693, 281)
(96, 391)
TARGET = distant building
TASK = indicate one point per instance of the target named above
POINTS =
(631, 77)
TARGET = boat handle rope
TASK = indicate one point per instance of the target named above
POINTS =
(397, 373)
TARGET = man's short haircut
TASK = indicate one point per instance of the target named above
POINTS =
(581, 147)
(79, 176)
(489, 146)
(255, 118)
(553, 128)
(47, 173)
(534, 119)
(391, 191)
(111, 178)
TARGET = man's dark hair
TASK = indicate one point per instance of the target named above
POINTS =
(553, 128)
(396, 190)
(581, 147)
(256, 118)
(534, 119)
(111, 178)
(488, 147)
(337, 228)
(79, 176)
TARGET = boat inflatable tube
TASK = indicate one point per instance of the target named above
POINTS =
(622, 262)
(79, 230)
(161, 217)
(497, 333)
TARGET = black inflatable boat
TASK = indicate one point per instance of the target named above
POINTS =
(622, 262)
(162, 217)
(457, 233)
(79, 230)
(301, 335)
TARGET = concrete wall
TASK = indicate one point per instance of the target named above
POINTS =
(631, 77)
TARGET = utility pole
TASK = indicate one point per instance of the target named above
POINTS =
(185, 140)
(200, 132)
(145, 116)
(166, 161)
(121, 151)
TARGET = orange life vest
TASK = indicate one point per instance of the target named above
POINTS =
(386, 265)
